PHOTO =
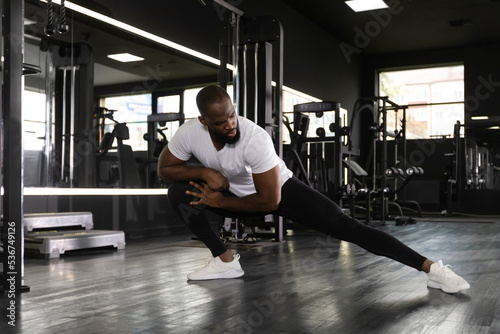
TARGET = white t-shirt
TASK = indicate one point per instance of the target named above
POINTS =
(253, 153)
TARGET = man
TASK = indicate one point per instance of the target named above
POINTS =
(242, 176)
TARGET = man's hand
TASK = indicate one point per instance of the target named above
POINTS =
(206, 195)
(215, 180)
(266, 198)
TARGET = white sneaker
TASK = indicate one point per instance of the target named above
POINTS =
(217, 269)
(442, 277)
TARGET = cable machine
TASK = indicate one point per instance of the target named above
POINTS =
(69, 145)
(251, 53)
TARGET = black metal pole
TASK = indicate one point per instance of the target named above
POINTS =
(1, 137)
(337, 160)
(13, 150)
(383, 166)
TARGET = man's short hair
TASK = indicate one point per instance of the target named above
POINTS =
(209, 95)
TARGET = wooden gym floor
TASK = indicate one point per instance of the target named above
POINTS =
(308, 284)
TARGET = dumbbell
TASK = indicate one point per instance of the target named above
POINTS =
(351, 189)
(393, 172)
(414, 171)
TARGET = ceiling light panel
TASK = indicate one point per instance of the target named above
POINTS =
(125, 57)
(364, 5)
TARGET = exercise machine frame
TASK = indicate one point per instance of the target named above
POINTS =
(251, 48)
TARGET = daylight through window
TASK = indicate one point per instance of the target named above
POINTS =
(435, 99)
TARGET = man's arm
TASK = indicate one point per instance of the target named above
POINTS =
(266, 198)
(170, 168)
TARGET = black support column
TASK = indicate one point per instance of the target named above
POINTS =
(12, 231)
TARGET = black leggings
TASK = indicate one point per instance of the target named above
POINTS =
(301, 204)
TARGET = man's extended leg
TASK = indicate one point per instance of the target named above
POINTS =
(306, 206)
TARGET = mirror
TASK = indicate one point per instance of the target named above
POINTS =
(65, 118)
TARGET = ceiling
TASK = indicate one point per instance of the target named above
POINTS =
(408, 25)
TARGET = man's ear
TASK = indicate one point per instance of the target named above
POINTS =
(202, 120)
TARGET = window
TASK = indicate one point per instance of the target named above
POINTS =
(435, 99)
(133, 110)
(290, 98)
(169, 104)
(33, 120)
(190, 107)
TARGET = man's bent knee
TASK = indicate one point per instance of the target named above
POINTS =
(177, 193)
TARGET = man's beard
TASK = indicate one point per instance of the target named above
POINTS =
(224, 137)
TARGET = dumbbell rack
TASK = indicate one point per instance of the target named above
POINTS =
(48, 235)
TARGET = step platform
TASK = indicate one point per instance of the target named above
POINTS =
(51, 245)
(48, 235)
(57, 220)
